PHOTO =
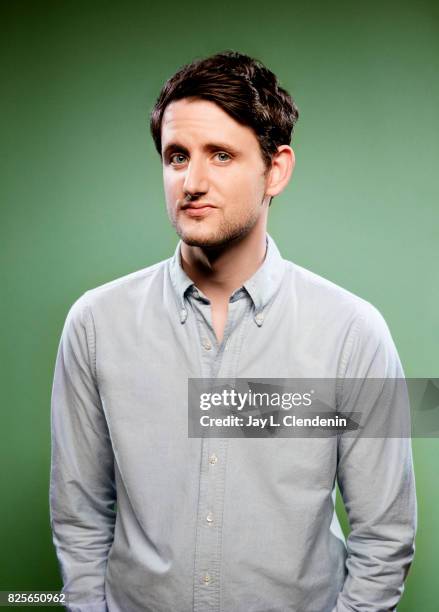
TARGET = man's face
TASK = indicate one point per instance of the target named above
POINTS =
(213, 171)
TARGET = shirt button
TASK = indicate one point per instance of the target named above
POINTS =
(206, 579)
(195, 293)
(259, 318)
(213, 459)
(206, 344)
(209, 517)
(183, 315)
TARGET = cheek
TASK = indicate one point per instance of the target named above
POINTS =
(239, 181)
(248, 187)
(171, 185)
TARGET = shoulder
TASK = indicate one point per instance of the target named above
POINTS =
(119, 293)
(127, 284)
(335, 311)
(317, 293)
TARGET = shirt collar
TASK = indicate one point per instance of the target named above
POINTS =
(266, 281)
(261, 287)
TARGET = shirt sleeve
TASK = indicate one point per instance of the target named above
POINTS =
(82, 491)
(375, 475)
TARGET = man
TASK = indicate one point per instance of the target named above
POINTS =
(221, 524)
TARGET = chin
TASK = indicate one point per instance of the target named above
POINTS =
(200, 240)
(211, 239)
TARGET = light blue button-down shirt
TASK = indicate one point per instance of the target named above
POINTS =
(220, 525)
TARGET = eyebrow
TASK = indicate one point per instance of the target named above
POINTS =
(209, 147)
(172, 147)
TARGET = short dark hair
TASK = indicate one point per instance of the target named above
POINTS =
(243, 87)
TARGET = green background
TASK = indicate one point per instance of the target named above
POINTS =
(82, 200)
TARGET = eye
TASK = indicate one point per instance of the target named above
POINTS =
(222, 156)
(177, 159)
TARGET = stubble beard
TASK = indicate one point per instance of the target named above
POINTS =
(226, 232)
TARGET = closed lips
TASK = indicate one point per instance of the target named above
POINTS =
(198, 205)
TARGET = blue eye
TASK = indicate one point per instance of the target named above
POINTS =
(222, 156)
(177, 159)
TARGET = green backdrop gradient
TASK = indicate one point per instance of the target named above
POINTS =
(82, 199)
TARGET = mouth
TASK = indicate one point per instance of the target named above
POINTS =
(197, 209)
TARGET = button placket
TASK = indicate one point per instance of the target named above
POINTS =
(209, 529)
(214, 453)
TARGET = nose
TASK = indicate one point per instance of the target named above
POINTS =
(196, 182)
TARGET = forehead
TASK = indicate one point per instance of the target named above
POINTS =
(201, 121)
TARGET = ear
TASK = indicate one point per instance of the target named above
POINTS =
(282, 166)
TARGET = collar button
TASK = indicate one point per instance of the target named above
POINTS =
(259, 318)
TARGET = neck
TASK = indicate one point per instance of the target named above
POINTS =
(218, 272)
